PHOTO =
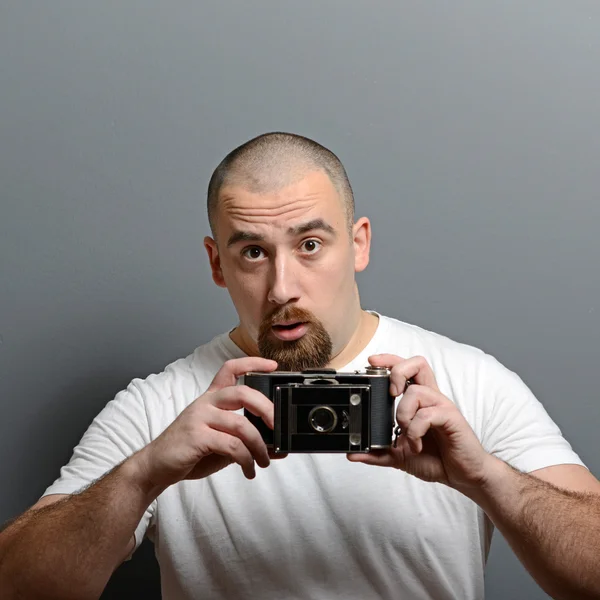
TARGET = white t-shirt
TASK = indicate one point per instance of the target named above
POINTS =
(318, 526)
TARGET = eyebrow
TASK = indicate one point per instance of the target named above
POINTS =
(243, 236)
(248, 236)
(313, 225)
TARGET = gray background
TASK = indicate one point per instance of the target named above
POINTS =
(470, 133)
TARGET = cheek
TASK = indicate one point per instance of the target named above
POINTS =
(247, 293)
(337, 274)
(331, 290)
(240, 284)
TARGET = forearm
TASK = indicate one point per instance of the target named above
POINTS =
(555, 533)
(70, 549)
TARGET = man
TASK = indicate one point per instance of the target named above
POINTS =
(157, 459)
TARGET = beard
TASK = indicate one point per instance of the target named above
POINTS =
(311, 351)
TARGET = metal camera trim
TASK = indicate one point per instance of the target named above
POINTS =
(320, 380)
(314, 409)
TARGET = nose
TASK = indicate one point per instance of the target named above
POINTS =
(283, 285)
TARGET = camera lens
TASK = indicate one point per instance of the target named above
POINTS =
(322, 419)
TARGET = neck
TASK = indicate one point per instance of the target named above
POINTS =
(363, 333)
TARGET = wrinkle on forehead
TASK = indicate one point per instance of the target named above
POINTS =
(244, 210)
(312, 194)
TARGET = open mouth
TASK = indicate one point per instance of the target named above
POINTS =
(290, 331)
(288, 326)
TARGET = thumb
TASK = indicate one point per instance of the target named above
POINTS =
(228, 374)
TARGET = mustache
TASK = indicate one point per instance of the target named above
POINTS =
(312, 351)
(288, 313)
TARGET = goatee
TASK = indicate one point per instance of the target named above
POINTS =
(311, 351)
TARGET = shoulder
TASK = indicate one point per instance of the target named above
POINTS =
(461, 369)
(417, 340)
(184, 379)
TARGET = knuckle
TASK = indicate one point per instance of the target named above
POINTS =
(244, 390)
(239, 425)
(402, 409)
(247, 396)
(411, 392)
(425, 414)
(194, 407)
(208, 398)
(229, 364)
(397, 369)
(235, 445)
(224, 393)
(410, 400)
(421, 360)
(403, 421)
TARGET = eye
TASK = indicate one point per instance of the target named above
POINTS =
(311, 246)
(253, 253)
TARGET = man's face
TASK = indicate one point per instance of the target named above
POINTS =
(288, 260)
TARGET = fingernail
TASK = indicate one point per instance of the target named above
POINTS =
(393, 389)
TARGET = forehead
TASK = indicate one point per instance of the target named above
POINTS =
(310, 196)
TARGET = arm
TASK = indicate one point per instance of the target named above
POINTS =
(554, 532)
(68, 549)
(551, 520)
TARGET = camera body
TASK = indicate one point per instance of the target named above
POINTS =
(321, 410)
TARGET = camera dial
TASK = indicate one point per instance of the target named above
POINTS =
(370, 370)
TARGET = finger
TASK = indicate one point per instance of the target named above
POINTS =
(242, 396)
(415, 398)
(231, 370)
(425, 419)
(401, 457)
(415, 368)
(385, 360)
(227, 445)
(381, 458)
(238, 426)
(277, 455)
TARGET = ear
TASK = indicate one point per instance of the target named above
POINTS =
(215, 261)
(361, 238)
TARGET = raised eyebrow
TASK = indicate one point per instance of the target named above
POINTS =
(248, 236)
(313, 225)
(243, 236)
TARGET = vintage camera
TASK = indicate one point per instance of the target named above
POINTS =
(321, 410)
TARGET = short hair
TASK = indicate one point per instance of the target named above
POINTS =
(271, 161)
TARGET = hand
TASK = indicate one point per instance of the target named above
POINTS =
(436, 443)
(207, 436)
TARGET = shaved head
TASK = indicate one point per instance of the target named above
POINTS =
(273, 161)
